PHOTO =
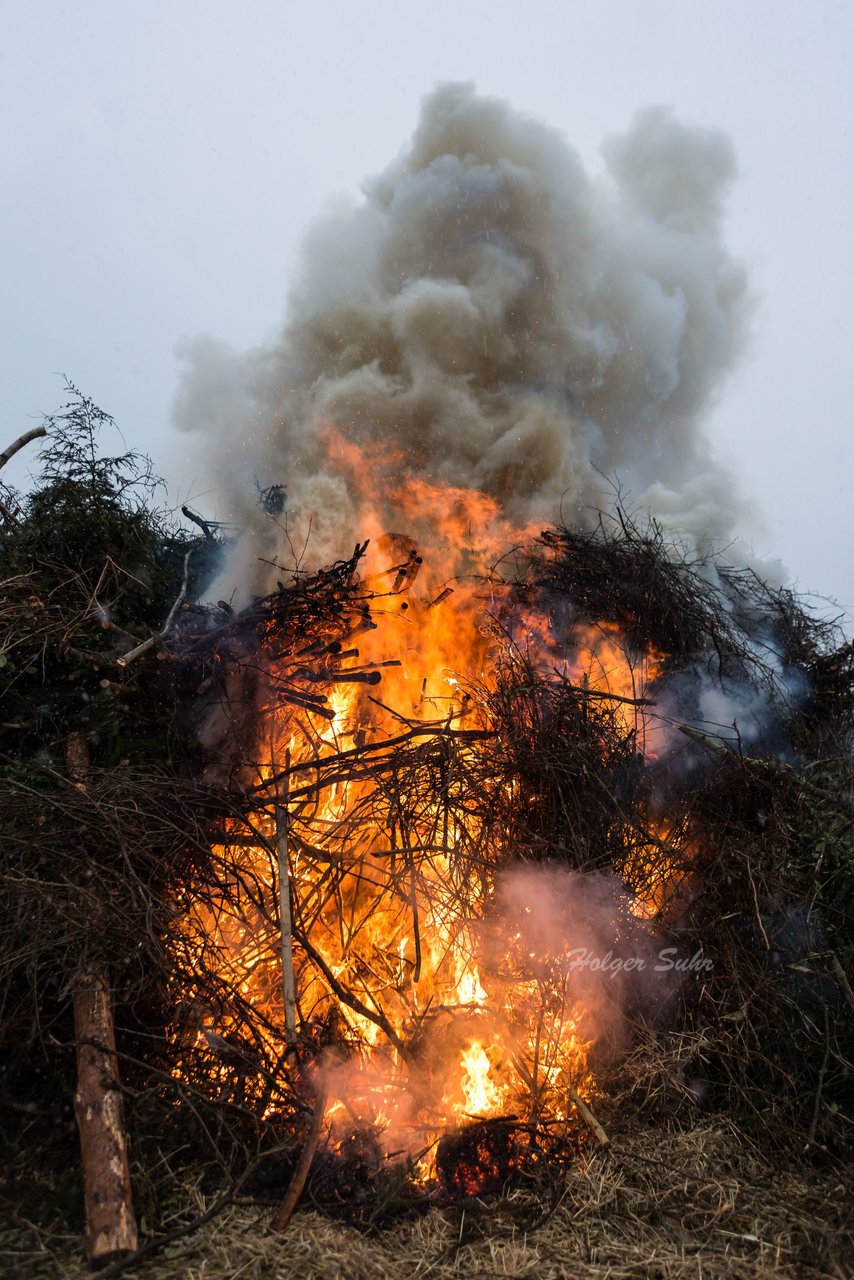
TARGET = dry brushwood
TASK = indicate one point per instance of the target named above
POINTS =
(549, 769)
(174, 876)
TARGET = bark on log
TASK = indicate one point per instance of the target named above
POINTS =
(110, 1222)
(77, 757)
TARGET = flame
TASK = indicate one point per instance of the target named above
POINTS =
(659, 872)
(389, 897)
(481, 1094)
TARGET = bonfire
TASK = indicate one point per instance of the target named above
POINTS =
(472, 870)
(463, 848)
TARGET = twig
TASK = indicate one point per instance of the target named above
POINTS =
(704, 740)
(822, 1073)
(285, 918)
(107, 625)
(127, 658)
(588, 1116)
(756, 905)
(843, 980)
(203, 524)
(284, 1213)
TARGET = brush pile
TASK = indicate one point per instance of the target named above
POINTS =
(149, 823)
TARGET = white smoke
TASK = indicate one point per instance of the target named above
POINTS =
(502, 322)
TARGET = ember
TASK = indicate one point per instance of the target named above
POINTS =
(478, 1159)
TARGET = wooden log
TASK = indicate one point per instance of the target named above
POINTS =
(110, 1222)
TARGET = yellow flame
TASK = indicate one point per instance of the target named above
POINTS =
(386, 908)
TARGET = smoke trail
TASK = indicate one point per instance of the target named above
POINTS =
(496, 319)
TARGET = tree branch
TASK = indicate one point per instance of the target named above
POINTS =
(127, 658)
(8, 454)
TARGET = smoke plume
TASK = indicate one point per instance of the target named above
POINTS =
(490, 316)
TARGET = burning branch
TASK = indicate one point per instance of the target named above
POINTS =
(588, 1116)
(347, 998)
(285, 918)
(431, 729)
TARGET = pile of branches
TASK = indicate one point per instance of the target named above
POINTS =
(746, 850)
(759, 828)
(143, 826)
(113, 808)
(700, 611)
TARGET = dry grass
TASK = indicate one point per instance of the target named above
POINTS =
(696, 1202)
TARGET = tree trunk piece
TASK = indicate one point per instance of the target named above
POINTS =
(110, 1222)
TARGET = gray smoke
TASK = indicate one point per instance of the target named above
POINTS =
(499, 320)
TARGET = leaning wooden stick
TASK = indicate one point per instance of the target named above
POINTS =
(284, 1213)
(110, 1221)
(285, 918)
(127, 658)
(588, 1116)
(35, 434)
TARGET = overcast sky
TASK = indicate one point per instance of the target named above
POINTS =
(162, 161)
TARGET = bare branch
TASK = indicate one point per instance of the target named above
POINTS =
(36, 434)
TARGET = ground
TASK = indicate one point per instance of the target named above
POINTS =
(700, 1202)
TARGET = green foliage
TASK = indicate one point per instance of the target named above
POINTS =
(71, 455)
(90, 510)
(91, 567)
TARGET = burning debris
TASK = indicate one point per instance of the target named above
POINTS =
(434, 905)
(479, 1159)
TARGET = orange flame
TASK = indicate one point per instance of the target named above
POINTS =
(389, 906)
